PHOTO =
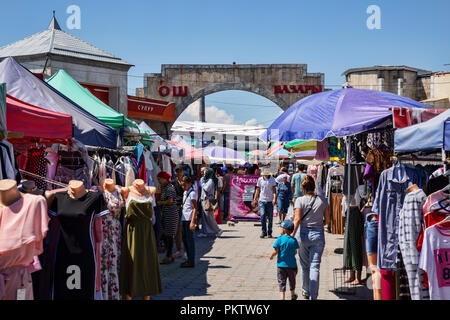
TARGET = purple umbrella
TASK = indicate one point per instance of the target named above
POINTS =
(337, 113)
(221, 154)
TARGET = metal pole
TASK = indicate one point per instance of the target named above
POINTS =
(201, 112)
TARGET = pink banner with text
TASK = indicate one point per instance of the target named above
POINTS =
(242, 190)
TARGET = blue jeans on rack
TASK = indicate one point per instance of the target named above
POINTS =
(312, 244)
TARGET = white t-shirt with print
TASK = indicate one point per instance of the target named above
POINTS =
(435, 260)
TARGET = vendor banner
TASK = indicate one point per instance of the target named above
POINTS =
(242, 190)
(405, 117)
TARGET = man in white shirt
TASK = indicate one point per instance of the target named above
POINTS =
(266, 198)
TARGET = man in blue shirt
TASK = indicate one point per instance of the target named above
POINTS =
(296, 181)
(286, 248)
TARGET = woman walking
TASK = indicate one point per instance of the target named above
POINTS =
(169, 214)
(310, 212)
(209, 194)
(284, 197)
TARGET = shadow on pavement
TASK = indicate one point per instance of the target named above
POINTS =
(179, 283)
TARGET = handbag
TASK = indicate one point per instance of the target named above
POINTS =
(210, 205)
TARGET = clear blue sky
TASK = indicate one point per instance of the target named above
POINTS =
(329, 36)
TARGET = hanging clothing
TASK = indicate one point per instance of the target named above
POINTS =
(334, 180)
(387, 204)
(23, 227)
(52, 164)
(166, 163)
(139, 265)
(337, 220)
(435, 259)
(129, 175)
(410, 224)
(354, 240)
(75, 245)
(38, 165)
(322, 150)
(111, 246)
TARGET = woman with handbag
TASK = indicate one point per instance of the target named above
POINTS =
(311, 212)
(209, 198)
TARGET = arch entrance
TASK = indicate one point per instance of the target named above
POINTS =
(183, 84)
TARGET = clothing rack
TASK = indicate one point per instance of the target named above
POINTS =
(120, 152)
(56, 183)
(107, 166)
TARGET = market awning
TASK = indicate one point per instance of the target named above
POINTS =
(24, 85)
(68, 86)
(433, 134)
(36, 122)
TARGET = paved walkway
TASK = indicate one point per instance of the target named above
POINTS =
(236, 266)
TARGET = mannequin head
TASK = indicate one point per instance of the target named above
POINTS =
(76, 188)
(109, 185)
(8, 192)
(139, 184)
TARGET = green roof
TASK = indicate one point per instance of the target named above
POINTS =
(65, 84)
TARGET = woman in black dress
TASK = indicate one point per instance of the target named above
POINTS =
(169, 214)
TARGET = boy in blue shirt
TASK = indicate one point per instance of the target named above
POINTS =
(286, 248)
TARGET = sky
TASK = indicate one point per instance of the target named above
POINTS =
(329, 36)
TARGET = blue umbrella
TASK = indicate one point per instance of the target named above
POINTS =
(337, 113)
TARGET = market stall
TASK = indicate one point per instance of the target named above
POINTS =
(24, 85)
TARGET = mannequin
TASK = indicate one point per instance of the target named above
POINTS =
(110, 249)
(24, 225)
(139, 257)
(8, 192)
(75, 275)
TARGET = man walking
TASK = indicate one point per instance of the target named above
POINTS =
(296, 182)
(266, 198)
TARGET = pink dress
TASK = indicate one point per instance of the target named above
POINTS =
(23, 226)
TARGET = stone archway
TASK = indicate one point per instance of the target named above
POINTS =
(283, 84)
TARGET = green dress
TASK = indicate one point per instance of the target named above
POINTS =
(139, 264)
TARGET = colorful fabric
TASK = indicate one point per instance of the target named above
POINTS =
(410, 224)
(111, 246)
(23, 227)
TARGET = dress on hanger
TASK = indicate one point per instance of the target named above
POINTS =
(139, 264)
(75, 263)
(111, 246)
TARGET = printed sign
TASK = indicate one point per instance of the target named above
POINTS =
(242, 190)
(442, 259)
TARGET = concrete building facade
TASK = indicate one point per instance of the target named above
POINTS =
(432, 88)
